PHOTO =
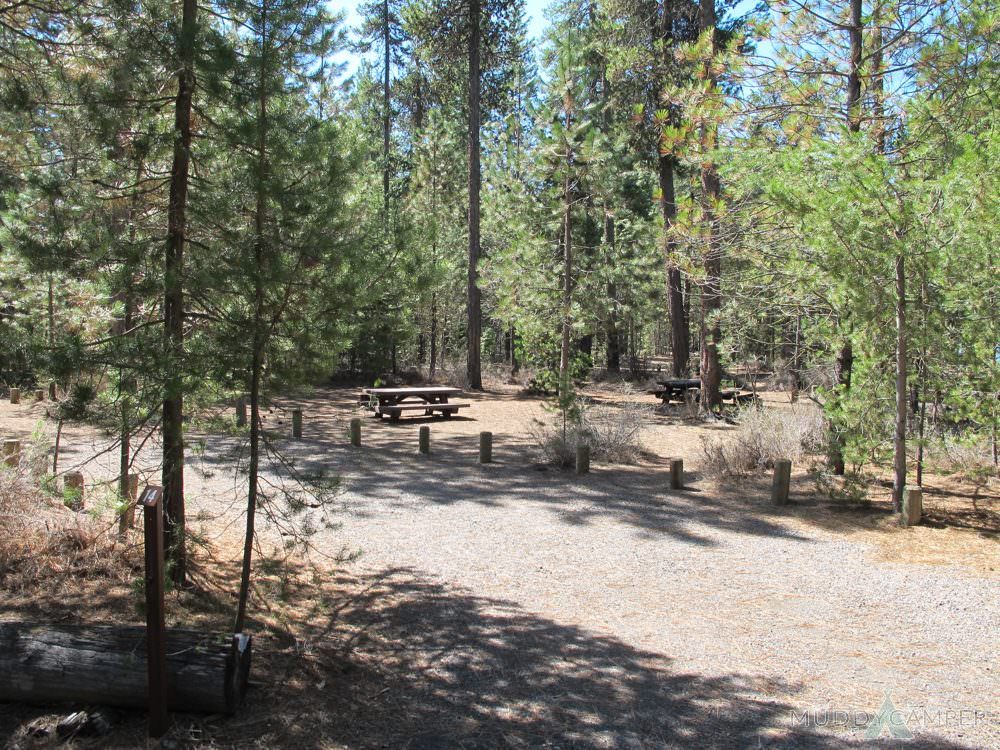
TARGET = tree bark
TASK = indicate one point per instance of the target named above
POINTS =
(567, 301)
(173, 302)
(259, 331)
(899, 443)
(434, 336)
(711, 293)
(206, 672)
(612, 335)
(126, 383)
(854, 31)
(514, 364)
(845, 357)
(51, 314)
(680, 333)
(386, 112)
(474, 304)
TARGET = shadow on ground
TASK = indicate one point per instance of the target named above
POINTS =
(404, 662)
(390, 476)
(395, 660)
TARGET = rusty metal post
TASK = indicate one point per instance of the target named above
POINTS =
(156, 651)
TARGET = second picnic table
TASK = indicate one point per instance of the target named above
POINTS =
(676, 389)
(392, 402)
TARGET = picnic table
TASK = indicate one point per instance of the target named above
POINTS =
(676, 389)
(392, 402)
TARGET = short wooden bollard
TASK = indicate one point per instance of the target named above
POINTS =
(73, 490)
(52, 391)
(39, 395)
(12, 452)
(127, 519)
(424, 440)
(241, 413)
(913, 506)
(15, 395)
(296, 423)
(782, 481)
(582, 458)
(356, 432)
(676, 474)
(485, 447)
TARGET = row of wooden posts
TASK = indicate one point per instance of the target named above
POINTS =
(15, 395)
(781, 484)
(73, 485)
(912, 497)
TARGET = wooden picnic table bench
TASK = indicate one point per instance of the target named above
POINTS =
(677, 389)
(392, 402)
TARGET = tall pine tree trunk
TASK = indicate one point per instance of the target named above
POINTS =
(680, 332)
(514, 364)
(434, 336)
(173, 301)
(567, 301)
(711, 293)
(474, 305)
(259, 333)
(386, 112)
(845, 357)
(899, 443)
(613, 343)
(126, 380)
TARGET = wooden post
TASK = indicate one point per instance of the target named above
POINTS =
(39, 395)
(241, 412)
(12, 453)
(127, 519)
(424, 440)
(297, 423)
(485, 447)
(52, 390)
(73, 489)
(156, 636)
(356, 432)
(782, 481)
(913, 506)
(582, 458)
(15, 395)
(676, 474)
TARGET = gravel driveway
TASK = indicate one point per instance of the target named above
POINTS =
(533, 607)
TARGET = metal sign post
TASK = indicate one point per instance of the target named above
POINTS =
(156, 647)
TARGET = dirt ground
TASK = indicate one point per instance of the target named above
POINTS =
(515, 605)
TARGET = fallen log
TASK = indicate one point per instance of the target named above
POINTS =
(106, 665)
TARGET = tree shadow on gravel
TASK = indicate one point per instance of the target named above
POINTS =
(389, 476)
(399, 661)
(396, 660)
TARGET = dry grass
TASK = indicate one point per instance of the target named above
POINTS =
(612, 430)
(969, 456)
(44, 544)
(762, 436)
